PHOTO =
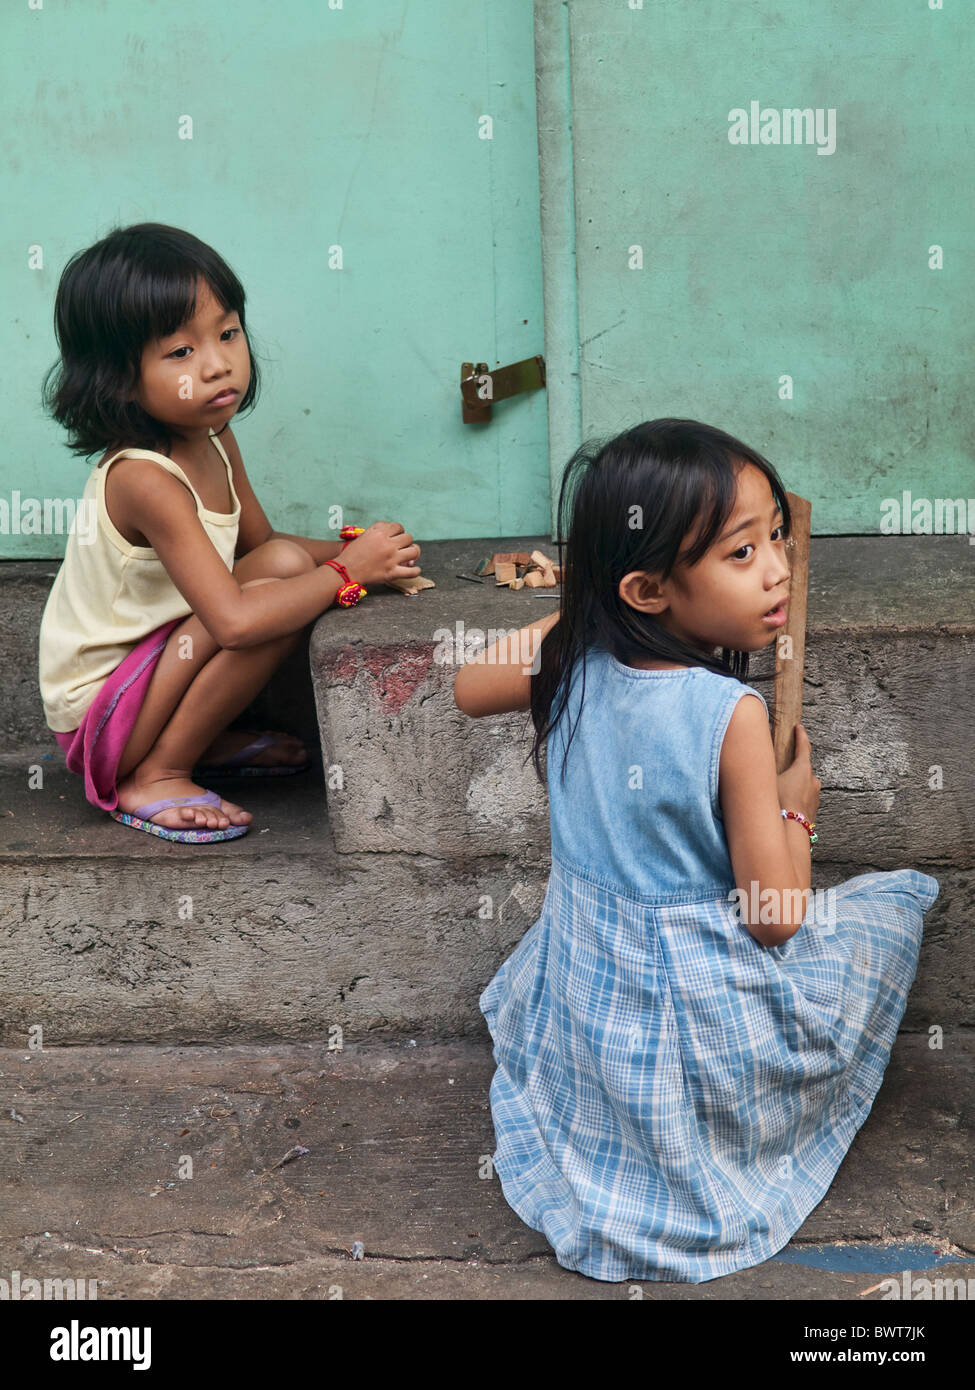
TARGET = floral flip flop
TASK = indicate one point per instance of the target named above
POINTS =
(237, 764)
(139, 820)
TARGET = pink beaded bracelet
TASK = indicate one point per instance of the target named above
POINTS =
(810, 826)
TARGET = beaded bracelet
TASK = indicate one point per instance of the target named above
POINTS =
(809, 826)
(349, 533)
(351, 591)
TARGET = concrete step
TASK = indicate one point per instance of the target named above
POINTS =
(397, 1135)
(383, 891)
(107, 935)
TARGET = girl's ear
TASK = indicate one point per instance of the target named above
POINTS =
(645, 592)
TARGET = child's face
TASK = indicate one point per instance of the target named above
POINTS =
(721, 601)
(182, 373)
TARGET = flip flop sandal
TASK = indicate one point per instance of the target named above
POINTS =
(138, 820)
(234, 766)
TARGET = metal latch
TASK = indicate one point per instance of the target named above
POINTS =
(481, 385)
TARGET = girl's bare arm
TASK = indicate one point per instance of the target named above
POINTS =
(157, 504)
(765, 850)
(498, 680)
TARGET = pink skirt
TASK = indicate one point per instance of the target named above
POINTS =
(95, 748)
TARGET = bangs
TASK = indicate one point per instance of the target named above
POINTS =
(718, 495)
(158, 297)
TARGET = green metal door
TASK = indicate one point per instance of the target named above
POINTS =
(370, 171)
(759, 215)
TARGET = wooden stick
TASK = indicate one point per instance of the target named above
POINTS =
(790, 647)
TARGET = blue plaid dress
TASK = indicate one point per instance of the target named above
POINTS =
(671, 1098)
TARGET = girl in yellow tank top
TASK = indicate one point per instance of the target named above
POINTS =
(158, 632)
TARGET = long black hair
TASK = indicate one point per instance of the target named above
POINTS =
(136, 284)
(627, 504)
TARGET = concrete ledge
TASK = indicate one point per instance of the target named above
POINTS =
(885, 661)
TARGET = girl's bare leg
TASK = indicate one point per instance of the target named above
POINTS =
(196, 690)
(286, 748)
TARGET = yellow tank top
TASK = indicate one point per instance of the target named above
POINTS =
(109, 594)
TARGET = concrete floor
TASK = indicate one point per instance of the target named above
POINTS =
(396, 1133)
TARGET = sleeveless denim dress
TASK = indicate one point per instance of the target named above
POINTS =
(672, 1098)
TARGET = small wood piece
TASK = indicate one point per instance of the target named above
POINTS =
(534, 579)
(546, 575)
(411, 586)
(504, 572)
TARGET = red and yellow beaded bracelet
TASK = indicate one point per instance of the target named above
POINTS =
(351, 591)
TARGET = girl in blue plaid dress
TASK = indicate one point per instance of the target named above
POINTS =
(686, 1039)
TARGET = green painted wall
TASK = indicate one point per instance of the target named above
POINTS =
(313, 126)
(769, 260)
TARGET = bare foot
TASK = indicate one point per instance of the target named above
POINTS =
(285, 749)
(144, 785)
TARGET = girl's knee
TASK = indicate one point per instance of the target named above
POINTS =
(275, 559)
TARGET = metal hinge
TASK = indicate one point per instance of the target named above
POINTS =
(481, 385)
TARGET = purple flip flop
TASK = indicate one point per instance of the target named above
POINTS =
(233, 766)
(138, 820)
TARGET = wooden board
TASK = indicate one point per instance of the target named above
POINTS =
(790, 654)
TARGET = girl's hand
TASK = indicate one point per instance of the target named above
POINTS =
(384, 551)
(798, 788)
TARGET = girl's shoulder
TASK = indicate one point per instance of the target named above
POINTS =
(118, 491)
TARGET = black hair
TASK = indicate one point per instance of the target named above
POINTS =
(665, 475)
(136, 284)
